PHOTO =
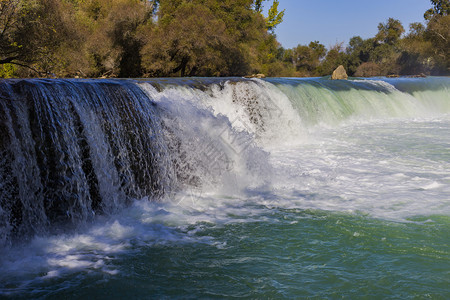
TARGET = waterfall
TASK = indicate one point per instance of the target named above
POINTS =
(74, 149)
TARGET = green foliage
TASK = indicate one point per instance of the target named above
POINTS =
(424, 50)
(390, 31)
(335, 57)
(258, 5)
(132, 38)
(31, 31)
(7, 70)
(440, 7)
(438, 34)
(205, 38)
(274, 17)
(416, 30)
(306, 59)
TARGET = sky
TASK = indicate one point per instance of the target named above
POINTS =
(335, 21)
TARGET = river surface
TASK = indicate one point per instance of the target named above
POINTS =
(320, 190)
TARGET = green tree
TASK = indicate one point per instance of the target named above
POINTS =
(258, 5)
(438, 34)
(335, 57)
(416, 52)
(126, 38)
(205, 38)
(306, 59)
(274, 17)
(440, 7)
(390, 32)
(416, 30)
(186, 42)
(112, 36)
(353, 52)
(30, 33)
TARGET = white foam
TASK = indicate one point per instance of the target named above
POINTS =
(433, 185)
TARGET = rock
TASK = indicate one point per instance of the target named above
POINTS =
(421, 75)
(256, 76)
(339, 73)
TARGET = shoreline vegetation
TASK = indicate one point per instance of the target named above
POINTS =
(178, 38)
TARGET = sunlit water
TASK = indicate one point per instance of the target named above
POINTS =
(350, 206)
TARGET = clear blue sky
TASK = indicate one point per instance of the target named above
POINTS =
(331, 21)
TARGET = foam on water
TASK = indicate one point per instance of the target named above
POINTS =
(392, 170)
(92, 250)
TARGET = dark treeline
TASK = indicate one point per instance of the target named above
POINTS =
(159, 38)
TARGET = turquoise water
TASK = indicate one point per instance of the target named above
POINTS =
(287, 253)
(337, 199)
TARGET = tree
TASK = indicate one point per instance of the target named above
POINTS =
(390, 31)
(440, 7)
(258, 5)
(438, 34)
(129, 38)
(186, 42)
(126, 19)
(306, 59)
(335, 57)
(416, 52)
(355, 44)
(205, 38)
(274, 17)
(112, 36)
(416, 30)
(30, 31)
(353, 52)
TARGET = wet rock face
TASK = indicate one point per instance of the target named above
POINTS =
(339, 73)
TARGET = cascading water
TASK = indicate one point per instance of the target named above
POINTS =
(72, 149)
(224, 187)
